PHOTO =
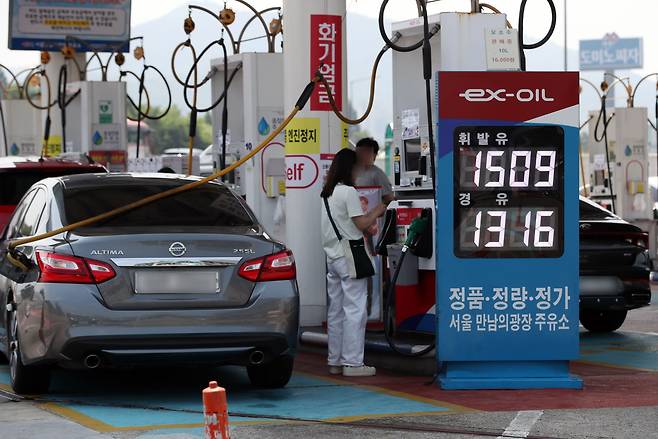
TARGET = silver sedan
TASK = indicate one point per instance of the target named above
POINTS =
(190, 279)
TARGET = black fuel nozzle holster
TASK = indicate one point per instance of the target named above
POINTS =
(421, 243)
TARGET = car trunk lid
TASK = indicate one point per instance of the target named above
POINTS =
(165, 271)
(610, 244)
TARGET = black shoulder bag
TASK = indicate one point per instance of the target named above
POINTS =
(358, 260)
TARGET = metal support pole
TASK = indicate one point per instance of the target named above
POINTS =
(565, 36)
(610, 93)
(303, 205)
(475, 6)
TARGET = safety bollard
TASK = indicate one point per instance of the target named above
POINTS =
(215, 412)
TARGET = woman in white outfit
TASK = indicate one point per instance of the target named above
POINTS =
(346, 314)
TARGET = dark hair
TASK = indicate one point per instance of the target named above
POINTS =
(340, 171)
(368, 142)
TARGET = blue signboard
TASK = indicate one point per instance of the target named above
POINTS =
(45, 24)
(611, 53)
(507, 229)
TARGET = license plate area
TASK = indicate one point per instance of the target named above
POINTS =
(154, 281)
(600, 286)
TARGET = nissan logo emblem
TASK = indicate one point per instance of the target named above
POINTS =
(177, 249)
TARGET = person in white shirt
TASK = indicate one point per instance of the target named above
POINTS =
(346, 313)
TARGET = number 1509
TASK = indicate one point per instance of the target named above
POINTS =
(507, 169)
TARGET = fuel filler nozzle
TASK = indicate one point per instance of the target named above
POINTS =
(416, 230)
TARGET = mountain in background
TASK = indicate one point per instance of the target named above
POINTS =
(163, 34)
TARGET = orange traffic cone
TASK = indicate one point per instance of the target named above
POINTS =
(215, 412)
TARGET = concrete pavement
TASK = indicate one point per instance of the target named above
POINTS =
(619, 401)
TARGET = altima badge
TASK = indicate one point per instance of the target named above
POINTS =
(111, 252)
(177, 249)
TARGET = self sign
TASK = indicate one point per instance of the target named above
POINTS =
(301, 171)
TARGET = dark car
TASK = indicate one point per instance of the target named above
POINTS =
(190, 279)
(18, 174)
(615, 268)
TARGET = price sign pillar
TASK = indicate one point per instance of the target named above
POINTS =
(507, 230)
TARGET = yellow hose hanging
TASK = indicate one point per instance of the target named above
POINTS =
(150, 199)
(371, 98)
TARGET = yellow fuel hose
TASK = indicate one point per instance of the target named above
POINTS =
(168, 193)
(371, 97)
(159, 196)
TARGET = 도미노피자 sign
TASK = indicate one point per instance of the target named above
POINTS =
(611, 53)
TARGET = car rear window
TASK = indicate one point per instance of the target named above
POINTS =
(591, 211)
(15, 183)
(209, 206)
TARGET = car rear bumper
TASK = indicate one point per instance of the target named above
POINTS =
(139, 350)
(627, 291)
(63, 323)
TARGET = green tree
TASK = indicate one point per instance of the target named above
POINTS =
(172, 130)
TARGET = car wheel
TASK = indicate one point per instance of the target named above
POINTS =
(24, 379)
(272, 375)
(602, 321)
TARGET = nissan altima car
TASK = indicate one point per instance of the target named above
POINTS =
(191, 279)
(615, 268)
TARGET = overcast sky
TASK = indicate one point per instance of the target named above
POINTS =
(586, 19)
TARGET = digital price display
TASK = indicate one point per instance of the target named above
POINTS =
(507, 233)
(509, 191)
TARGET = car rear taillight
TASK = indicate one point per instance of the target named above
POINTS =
(58, 268)
(640, 239)
(279, 266)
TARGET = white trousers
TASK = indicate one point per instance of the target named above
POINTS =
(346, 315)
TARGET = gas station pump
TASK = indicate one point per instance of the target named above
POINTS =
(415, 308)
(20, 128)
(92, 114)
(96, 122)
(19, 121)
(629, 165)
(619, 165)
(507, 236)
(256, 104)
(503, 208)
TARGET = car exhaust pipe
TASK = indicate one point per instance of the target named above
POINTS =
(92, 361)
(256, 358)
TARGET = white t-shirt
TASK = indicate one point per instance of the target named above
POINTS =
(344, 204)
